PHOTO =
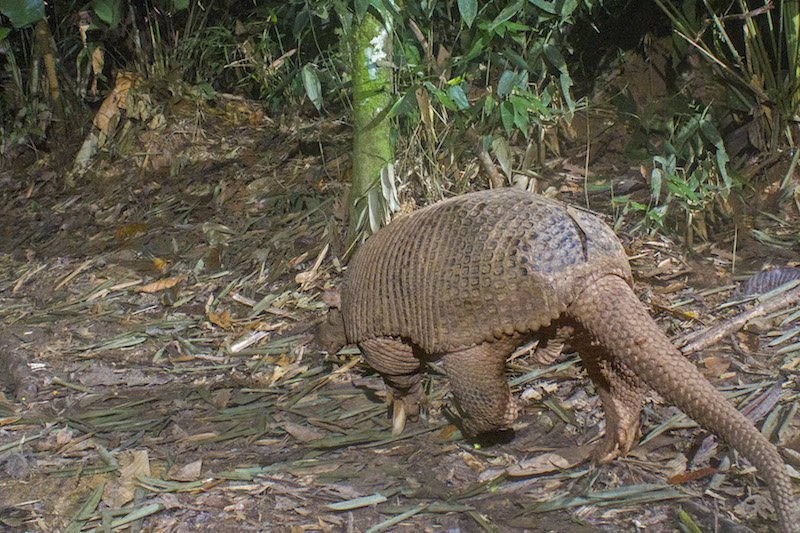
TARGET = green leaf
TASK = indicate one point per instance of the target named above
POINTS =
(109, 11)
(711, 133)
(207, 90)
(411, 54)
(361, 8)
(655, 183)
(404, 105)
(507, 80)
(4, 32)
(537, 105)
(553, 55)
(568, 7)
(516, 59)
(521, 120)
(312, 85)
(440, 95)
(445, 100)
(22, 12)
(547, 7)
(503, 154)
(688, 522)
(566, 85)
(468, 10)
(506, 14)
(516, 27)
(458, 96)
(476, 49)
(180, 5)
(521, 105)
(488, 105)
(387, 10)
(345, 16)
(507, 116)
(301, 21)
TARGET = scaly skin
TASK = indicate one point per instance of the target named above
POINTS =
(471, 278)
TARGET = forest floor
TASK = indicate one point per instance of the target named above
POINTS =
(164, 304)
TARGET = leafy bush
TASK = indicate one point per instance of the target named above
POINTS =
(690, 183)
(754, 49)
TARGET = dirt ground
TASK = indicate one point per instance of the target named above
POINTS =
(163, 308)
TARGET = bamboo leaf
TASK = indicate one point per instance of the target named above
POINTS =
(356, 503)
(468, 10)
(458, 96)
(507, 116)
(506, 14)
(312, 86)
(501, 152)
(109, 11)
(547, 7)
(507, 80)
(22, 12)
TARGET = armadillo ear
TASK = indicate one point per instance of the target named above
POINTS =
(332, 298)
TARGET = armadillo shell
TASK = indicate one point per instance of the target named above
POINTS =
(474, 268)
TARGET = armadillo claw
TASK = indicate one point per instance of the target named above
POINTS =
(614, 444)
(398, 417)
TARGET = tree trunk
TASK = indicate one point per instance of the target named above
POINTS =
(44, 44)
(371, 198)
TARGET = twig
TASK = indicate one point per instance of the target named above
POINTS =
(489, 167)
(699, 341)
(423, 42)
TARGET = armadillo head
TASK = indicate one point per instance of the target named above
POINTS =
(330, 334)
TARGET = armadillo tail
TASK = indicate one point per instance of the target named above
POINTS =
(610, 311)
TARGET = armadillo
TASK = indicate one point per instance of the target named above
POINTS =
(471, 278)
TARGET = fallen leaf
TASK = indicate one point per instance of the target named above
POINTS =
(472, 462)
(302, 433)
(129, 231)
(188, 472)
(447, 432)
(197, 437)
(692, 475)
(114, 101)
(221, 320)
(715, 366)
(159, 265)
(541, 464)
(160, 285)
(120, 492)
(221, 398)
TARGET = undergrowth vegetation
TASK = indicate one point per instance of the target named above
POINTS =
(502, 75)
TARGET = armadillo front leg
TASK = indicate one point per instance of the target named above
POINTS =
(621, 392)
(477, 379)
(399, 367)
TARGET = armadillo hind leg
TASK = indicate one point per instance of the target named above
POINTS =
(618, 322)
(399, 367)
(477, 379)
(621, 392)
